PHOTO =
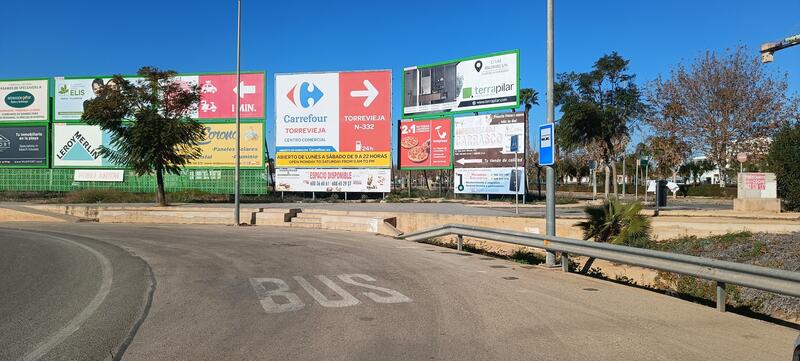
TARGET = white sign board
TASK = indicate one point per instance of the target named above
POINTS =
(24, 100)
(483, 141)
(332, 180)
(464, 85)
(489, 180)
(757, 185)
(78, 145)
(99, 175)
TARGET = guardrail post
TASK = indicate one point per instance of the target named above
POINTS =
(564, 262)
(460, 242)
(721, 296)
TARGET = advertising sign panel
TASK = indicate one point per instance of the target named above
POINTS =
(426, 144)
(219, 146)
(483, 141)
(23, 146)
(337, 119)
(465, 85)
(24, 99)
(332, 180)
(99, 175)
(547, 149)
(218, 95)
(489, 180)
(78, 146)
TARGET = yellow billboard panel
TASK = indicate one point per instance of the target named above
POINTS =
(334, 159)
(219, 146)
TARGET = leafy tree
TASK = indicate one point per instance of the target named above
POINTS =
(598, 109)
(529, 97)
(616, 223)
(721, 105)
(784, 161)
(161, 136)
(669, 152)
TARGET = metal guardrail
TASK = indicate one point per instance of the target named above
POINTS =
(722, 272)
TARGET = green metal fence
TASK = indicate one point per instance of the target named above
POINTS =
(217, 181)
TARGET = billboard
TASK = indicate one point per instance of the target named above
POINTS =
(426, 144)
(465, 85)
(218, 95)
(336, 119)
(24, 99)
(78, 146)
(218, 149)
(507, 180)
(332, 180)
(483, 141)
(23, 146)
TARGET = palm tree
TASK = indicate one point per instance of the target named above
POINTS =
(616, 223)
(528, 97)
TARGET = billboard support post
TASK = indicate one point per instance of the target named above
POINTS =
(550, 175)
(238, 111)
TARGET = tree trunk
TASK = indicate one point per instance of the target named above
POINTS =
(161, 197)
(675, 180)
(614, 182)
(539, 181)
(526, 157)
(425, 176)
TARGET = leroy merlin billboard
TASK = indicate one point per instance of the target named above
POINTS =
(24, 99)
(78, 146)
(471, 84)
(218, 95)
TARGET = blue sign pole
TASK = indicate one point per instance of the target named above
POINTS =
(547, 138)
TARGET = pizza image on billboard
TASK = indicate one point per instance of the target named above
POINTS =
(426, 144)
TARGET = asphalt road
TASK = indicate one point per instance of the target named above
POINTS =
(258, 293)
(67, 297)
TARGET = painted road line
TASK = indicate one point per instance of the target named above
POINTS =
(276, 296)
(75, 324)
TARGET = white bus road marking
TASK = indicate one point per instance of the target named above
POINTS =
(276, 296)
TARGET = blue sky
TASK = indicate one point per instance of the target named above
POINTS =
(62, 38)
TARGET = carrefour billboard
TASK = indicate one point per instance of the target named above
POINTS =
(471, 84)
(336, 119)
(24, 100)
(218, 95)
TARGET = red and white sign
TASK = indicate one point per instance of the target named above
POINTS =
(333, 180)
(426, 144)
(218, 93)
(365, 111)
(755, 181)
(338, 112)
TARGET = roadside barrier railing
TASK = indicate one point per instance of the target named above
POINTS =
(722, 272)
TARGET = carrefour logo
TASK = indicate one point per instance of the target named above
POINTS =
(304, 95)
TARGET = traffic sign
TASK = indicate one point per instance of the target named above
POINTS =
(741, 157)
(547, 137)
(514, 148)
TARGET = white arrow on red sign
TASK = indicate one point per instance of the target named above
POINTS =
(370, 93)
(246, 89)
(463, 161)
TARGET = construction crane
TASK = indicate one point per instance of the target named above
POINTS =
(769, 49)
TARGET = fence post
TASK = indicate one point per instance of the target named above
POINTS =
(721, 296)
(460, 242)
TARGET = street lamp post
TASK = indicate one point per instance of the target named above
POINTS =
(238, 111)
(550, 175)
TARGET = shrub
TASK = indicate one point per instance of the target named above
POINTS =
(784, 161)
